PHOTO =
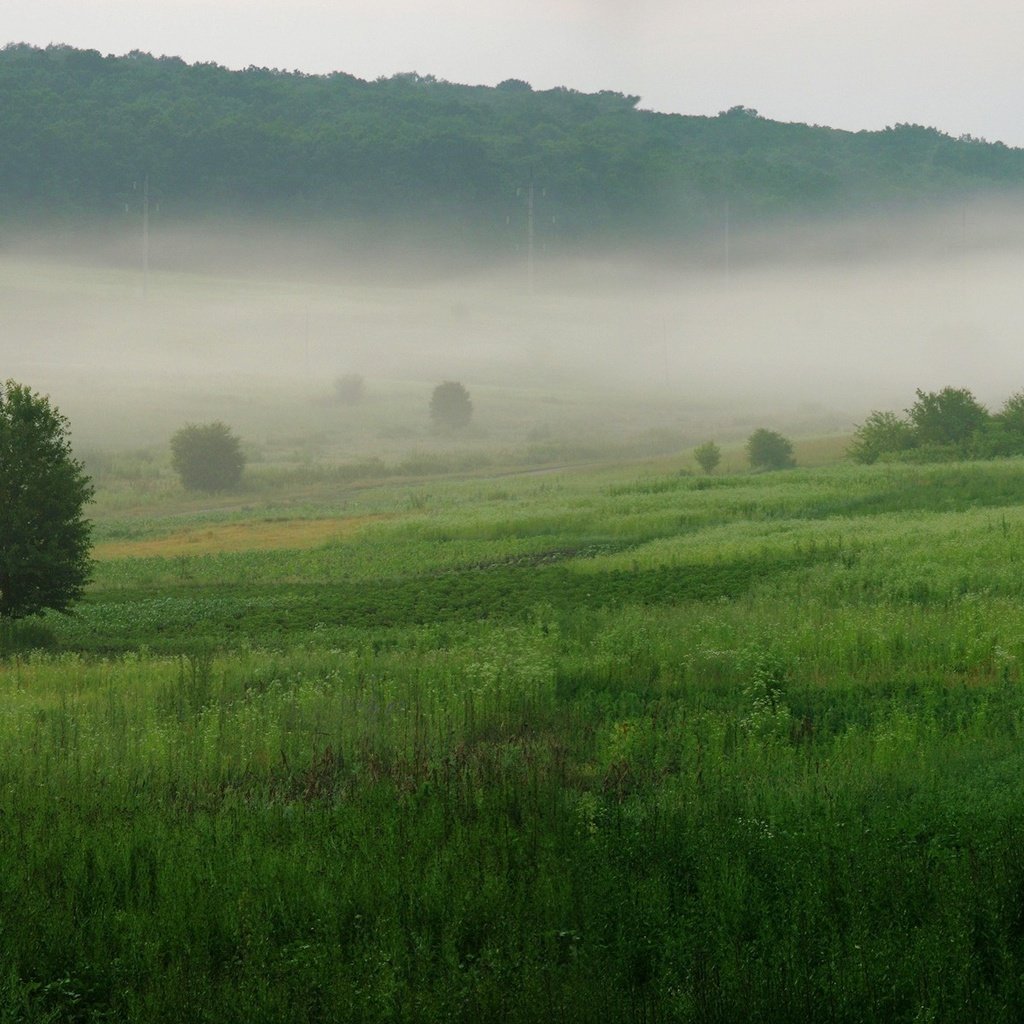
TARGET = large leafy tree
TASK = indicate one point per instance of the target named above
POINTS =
(947, 417)
(44, 535)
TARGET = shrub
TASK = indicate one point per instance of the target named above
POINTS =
(994, 442)
(708, 456)
(207, 457)
(949, 416)
(450, 406)
(1011, 416)
(880, 434)
(350, 388)
(768, 450)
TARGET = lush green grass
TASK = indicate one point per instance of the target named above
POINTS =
(613, 745)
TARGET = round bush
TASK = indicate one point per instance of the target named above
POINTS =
(768, 450)
(207, 457)
(450, 406)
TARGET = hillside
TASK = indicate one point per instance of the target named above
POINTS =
(78, 130)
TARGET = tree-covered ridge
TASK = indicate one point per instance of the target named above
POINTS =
(77, 129)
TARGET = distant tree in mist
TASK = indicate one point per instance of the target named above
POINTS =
(450, 406)
(207, 457)
(768, 450)
(708, 456)
(350, 388)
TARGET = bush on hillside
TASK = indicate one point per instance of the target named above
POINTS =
(207, 457)
(708, 456)
(767, 449)
(880, 434)
(450, 406)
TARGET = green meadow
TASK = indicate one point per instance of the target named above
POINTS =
(612, 743)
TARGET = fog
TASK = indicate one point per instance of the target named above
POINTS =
(807, 328)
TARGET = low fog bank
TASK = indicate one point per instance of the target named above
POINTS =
(807, 329)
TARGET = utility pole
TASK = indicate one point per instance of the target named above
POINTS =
(531, 203)
(728, 240)
(130, 206)
(309, 374)
(529, 235)
(145, 238)
(664, 339)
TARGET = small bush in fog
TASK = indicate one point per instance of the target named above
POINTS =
(350, 388)
(207, 457)
(450, 406)
(44, 535)
(768, 450)
(708, 456)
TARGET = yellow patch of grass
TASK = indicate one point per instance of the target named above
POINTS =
(821, 451)
(249, 536)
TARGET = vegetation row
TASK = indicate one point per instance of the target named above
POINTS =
(942, 426)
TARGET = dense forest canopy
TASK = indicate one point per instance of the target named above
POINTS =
(78, 130)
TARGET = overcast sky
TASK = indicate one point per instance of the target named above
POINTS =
(852, 64)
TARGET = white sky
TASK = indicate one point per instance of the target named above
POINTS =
(952, 64)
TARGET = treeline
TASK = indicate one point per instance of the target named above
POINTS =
(80, 131)
(942, 425)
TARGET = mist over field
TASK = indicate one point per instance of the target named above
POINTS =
(810, 327)
(475, 573)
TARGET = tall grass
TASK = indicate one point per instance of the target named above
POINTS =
(793, 797)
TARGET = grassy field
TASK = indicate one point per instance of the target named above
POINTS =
(616, 743)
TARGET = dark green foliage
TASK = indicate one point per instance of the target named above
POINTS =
(708, 456)
(44, 535)
(767, 449)
(881, 433)
(1003, 434)
(450, 406)
(76, 126)
(1011, 416)
(943, 426)
(951, 416)
(207, 457)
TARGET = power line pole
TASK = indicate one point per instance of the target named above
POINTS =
(145, 238)
(309, 374)
(529, 235)
(728, 240)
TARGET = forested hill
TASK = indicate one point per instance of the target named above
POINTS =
(77, 129)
